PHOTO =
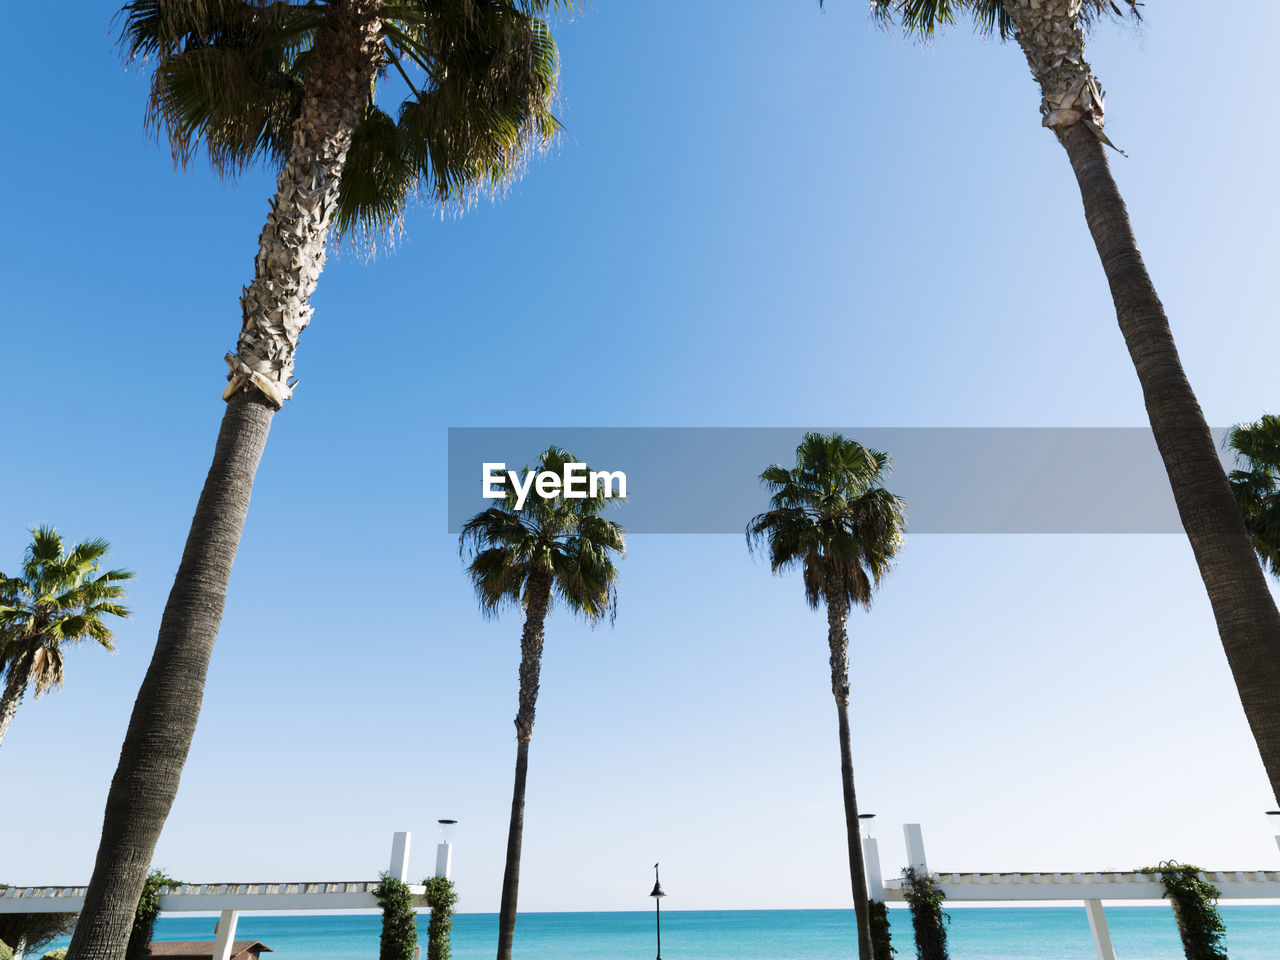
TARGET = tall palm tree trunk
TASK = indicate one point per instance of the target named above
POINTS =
(837, 638)
(168, 704)
(15, 686)
(530, 668)
(1248, 622)
(274, 311)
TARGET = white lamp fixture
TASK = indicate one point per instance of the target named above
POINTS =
(444, 850)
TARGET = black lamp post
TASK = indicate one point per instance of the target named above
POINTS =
(657, 895)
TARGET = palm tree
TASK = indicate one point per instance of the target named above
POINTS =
(1051, 34)
(831, 517)
(1257, 487)
(293, 84)
(58, 599)
(555, 548)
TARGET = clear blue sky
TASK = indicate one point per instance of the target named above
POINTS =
(778, 217)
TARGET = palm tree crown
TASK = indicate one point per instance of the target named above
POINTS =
(1257, 487)
(58, 598)
(559, 544)
(479, 78)
(830, 516)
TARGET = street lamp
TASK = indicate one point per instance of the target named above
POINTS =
(444, 849)
(866, 819)
(657, 895)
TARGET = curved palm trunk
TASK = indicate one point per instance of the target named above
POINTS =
(530, 668)
(15, 686)
(275, 310)
(1247, 619)
(838, 640)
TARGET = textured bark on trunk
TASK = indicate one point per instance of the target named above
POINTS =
(838, 640)
(15, 686)
(168, 705)
(274, 310)
(1246, 615)
(530, 669)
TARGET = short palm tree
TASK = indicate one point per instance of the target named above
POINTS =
(58, 599)
(831, 517)
(1257, 486)
(306, 88)
(1051, 34)
(556, 548)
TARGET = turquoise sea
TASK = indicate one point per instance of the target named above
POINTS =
(976, 933)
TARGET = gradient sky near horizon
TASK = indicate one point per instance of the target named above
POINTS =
(779, 217)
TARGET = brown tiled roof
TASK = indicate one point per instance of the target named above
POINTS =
(197, 950)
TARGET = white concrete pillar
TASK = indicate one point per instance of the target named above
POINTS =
(1098, 924)
(444, 859)
(400, 857)
(915, 847)
(871, 859)
(225, 934)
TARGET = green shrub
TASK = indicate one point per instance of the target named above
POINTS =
(927, 919)
(1195, 910)
(6, 951)
(399, 922)
(59, 954)
(441, 898)
(881, 941)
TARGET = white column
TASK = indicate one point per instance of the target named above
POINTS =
(400, 857)
(1098, 924)
(915, 847)
(871, 858)
(444, 859)
(225, 935)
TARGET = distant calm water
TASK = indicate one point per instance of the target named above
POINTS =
(995, 933)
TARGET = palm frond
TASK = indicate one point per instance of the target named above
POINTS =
(923, 18)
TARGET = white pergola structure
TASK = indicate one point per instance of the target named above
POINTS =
(231, 899)
(1091, 888)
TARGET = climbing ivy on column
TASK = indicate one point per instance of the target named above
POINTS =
(399, 922)
(881, 940)
(144, 921)
(440, 897)
(927, 918)
(1195, 910)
